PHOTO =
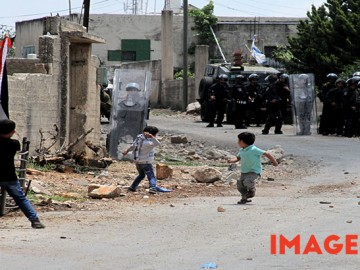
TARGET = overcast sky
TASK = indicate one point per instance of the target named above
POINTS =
(22, 10)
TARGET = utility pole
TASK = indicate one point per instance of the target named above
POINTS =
(69, 7)
(185, 60)
(86, 4)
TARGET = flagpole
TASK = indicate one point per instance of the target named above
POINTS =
(212, 31)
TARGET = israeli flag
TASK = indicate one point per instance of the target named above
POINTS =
(256, 53)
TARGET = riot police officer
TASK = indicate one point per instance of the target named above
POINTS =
(272, 100)
(324, 118)
(218, 97)
(240, 100)
(255, 92)
(282, 87)
(335, 100)
(351, 103)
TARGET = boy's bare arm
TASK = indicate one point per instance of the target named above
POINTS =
(272, 159)
(233, 160)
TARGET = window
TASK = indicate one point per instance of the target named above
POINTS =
(114, 55)
(128, 55)
(135, 49)
(28, 50)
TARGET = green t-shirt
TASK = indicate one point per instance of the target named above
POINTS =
(250, 159)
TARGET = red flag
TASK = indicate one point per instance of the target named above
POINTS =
(5, 44)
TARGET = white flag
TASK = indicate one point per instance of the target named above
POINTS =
(256, 53)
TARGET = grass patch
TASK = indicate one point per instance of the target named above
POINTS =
(178, 162)
(36, 199)
(38, 167)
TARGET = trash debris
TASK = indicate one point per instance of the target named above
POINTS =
(210, 265)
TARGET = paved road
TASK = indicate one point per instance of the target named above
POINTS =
(192, 232)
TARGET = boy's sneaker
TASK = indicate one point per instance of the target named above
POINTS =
(243, 201)
(36, 224)
(152, 190)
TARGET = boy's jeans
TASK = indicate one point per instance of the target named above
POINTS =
(145, 170)
(14, 190)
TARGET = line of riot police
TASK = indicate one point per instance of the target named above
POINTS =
(341, 106)
(250, 102)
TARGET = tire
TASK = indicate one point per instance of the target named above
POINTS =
(204, 114)
(204, 86)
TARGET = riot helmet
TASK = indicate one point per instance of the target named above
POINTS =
(253, 77)
(340, 81)
(284, 78)
(271, 78)
(132, 87)
(331, 77)
(353, 80)
(240, 78)
(304, 79)
(133, 96)
(356, 74)
(223, 77)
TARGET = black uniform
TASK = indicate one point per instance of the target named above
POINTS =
(335, 113)
(240, 99)
(254, 92)
(325, 119)
(273, 103)
(218, 96)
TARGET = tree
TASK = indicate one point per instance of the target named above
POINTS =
(203, 19)
(327, 41)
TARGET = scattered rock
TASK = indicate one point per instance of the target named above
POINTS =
(221, 209)
(105, 192)
(163, 171)
(178, 139)
(207, 175)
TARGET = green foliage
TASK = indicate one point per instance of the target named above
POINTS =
(203, 19)
(283, 55)
(348, 70)
(180, 74)
(328, 40)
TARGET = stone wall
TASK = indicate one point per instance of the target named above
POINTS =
(173, 93)
(58, 90)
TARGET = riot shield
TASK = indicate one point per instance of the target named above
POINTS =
(130, 101)
(302, 87)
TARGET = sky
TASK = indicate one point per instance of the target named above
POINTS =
(22, 10)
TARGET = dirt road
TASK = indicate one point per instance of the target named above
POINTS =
(190, 232)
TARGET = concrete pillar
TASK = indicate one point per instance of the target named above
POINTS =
(201, 60)
(167, 45)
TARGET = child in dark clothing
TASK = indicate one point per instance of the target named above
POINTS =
(8, 177)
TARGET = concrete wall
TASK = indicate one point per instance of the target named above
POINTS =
(234, 33)
(115, 27)
(172, 93)
(63, 93)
